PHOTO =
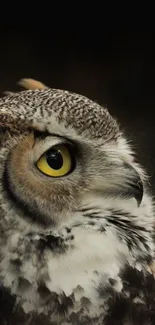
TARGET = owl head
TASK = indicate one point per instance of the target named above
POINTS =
(62, 153)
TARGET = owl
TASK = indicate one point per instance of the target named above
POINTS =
(76, 214)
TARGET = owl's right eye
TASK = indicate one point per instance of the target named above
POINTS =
(56, 162)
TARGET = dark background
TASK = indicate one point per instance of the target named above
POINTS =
(117, 70)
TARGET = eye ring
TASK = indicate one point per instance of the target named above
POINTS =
(58, 161)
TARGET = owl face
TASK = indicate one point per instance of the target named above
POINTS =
(61, 152)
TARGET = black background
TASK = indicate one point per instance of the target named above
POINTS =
(117, 70)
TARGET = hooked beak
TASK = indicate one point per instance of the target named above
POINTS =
(134, 184)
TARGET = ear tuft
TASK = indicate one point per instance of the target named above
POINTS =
(31, 84)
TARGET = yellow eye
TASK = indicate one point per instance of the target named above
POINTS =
(56, 162)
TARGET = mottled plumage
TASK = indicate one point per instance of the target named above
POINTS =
(76, 249)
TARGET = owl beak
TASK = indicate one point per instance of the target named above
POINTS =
(134, 184)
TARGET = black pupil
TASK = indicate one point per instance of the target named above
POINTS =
(54, 159)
